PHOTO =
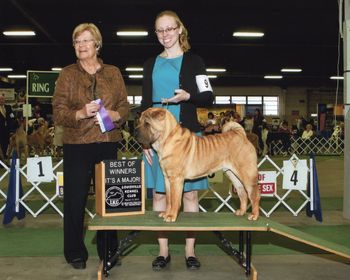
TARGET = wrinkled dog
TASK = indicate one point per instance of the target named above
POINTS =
(183, 155)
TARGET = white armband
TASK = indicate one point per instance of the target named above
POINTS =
(203, 83)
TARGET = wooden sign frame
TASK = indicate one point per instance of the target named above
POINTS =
(100, 192)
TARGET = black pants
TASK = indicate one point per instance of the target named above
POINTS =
(78, 168)
(4, 141)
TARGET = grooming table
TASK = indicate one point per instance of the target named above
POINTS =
(215, 222)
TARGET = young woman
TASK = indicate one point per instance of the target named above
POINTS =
(177, 79)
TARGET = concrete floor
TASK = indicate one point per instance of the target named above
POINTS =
(287, 267)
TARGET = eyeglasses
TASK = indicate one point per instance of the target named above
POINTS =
(82, 42)
(166, 30)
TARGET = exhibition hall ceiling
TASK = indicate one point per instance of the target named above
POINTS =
(300, 34)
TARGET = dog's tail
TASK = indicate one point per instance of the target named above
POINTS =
(233, 126)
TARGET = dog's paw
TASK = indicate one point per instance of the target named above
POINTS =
(161, 215)
(170, 218)
(239, 212)
(253, 217)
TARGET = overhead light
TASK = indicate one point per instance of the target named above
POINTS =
(248, 34)
(273, 77)
(19, 33)
(135, 76)
(136, 69)
(212, 76)
(336, 78)
(5, 69)
(291, 70)
(132, 33)
(56, 68)
(216, 70)
(17, 76)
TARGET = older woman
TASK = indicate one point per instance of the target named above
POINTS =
(84, 144)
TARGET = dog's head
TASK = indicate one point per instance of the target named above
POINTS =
(155, 124)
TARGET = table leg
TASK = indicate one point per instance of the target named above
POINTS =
(241, 246)
(105, 253)
(248, 252)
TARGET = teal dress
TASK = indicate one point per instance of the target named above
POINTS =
(165, 78)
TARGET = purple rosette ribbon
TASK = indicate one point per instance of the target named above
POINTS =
(103, 118)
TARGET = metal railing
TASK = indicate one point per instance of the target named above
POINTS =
(315, 145)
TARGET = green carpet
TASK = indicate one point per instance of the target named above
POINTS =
(328, 204)
(49, 242)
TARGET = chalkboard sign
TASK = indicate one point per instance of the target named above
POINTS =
(120, 187)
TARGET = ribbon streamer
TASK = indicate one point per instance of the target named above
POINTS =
(103, 118)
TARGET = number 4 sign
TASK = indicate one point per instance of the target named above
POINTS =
(295, 174)
(39, 169)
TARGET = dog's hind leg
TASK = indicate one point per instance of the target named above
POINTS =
(242, 194)
(254, 197)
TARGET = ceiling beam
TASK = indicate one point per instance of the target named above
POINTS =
(32, 20)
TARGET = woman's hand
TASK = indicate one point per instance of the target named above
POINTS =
(88, 111)
(148, 153)
(180, 95)
(114, 115)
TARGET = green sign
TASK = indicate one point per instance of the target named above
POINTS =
(41, 83)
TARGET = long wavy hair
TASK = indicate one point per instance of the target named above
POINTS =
(183, 39)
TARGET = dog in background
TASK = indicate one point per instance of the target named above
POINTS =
(40, 138)
(254, 139)
(183, 155)
(18, 141)
(336, 132)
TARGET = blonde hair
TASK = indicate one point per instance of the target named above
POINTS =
(92, 28)
(183, 39)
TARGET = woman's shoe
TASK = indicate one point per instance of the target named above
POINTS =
(160, 262)
(78, 264)
(192, 263)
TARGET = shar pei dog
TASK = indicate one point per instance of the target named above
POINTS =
(184, 155)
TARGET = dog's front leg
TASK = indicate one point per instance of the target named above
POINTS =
(168, 198)
(176, 187)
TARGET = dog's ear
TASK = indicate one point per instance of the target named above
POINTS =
(158, 114)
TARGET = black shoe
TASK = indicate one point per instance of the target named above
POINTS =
(117, 261)
(192, 263)
(78, 264)
(160, 262)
